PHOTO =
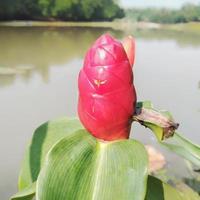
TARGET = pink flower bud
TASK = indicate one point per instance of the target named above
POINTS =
(129, 46)
(106, 92)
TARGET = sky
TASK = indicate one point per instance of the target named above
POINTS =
(156, 3)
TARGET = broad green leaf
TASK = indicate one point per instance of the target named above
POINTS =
(158, 190)
(43, 139)
(184, 148)
(160, 122)
(25, 194)
(80, 167)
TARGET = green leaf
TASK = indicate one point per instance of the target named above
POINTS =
(184, 148)
(83, 168)
(144, 104)
(163, 126)
(158, 190)
(25, 194)
(43, 139)
(157, 130)
(159, 121)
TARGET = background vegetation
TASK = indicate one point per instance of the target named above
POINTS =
(188, 13)
(92, 10)
(73, 10)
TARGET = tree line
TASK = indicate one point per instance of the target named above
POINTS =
(70, 10)
(187, 13)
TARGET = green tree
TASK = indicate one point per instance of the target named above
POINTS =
(74, 10)
(188, 13)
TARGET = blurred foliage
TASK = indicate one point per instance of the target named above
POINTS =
(74, 10)
(189, 12)
(193, 183)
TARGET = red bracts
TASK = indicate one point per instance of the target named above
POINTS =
(107, 95)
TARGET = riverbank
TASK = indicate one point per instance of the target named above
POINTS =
(114, 24)
(192, 27)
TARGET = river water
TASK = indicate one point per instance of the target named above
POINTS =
(38, 82)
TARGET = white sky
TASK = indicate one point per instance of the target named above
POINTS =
(156, 3)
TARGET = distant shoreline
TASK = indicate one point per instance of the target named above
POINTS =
(193, 27)
(26, 23)
(118, 24)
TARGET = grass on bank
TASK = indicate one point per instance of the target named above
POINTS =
(192, 27)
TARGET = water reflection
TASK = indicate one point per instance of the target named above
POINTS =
(28, 50)
(183, 39)
(40, 48)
